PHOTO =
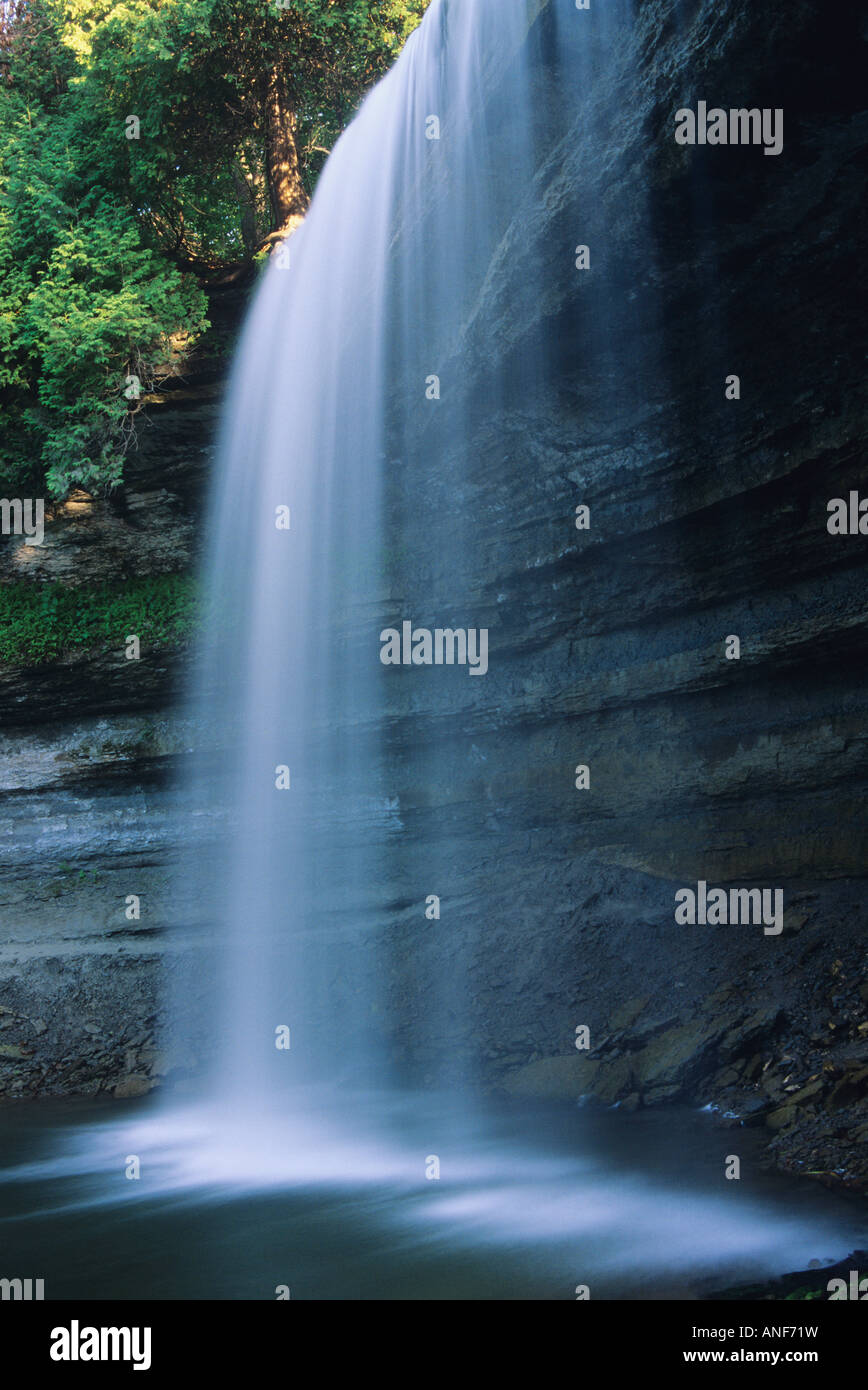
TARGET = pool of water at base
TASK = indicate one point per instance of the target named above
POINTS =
(532, 1201)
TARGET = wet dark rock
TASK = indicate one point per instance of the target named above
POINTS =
(129, 1087)
(810, 1283)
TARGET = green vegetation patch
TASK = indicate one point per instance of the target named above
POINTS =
(145, 148)
(40, 623)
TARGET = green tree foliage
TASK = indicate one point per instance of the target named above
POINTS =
(105, 240)
(87, 300)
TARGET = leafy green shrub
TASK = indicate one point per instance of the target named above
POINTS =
(104, 239)
(41, 622)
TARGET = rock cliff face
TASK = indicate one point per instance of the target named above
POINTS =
(608, 645)
(92, 744)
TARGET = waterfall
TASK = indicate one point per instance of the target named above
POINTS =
(339, 361)
(345, 506)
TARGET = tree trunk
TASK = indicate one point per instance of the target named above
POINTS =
(289, 200)
(247, 206)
